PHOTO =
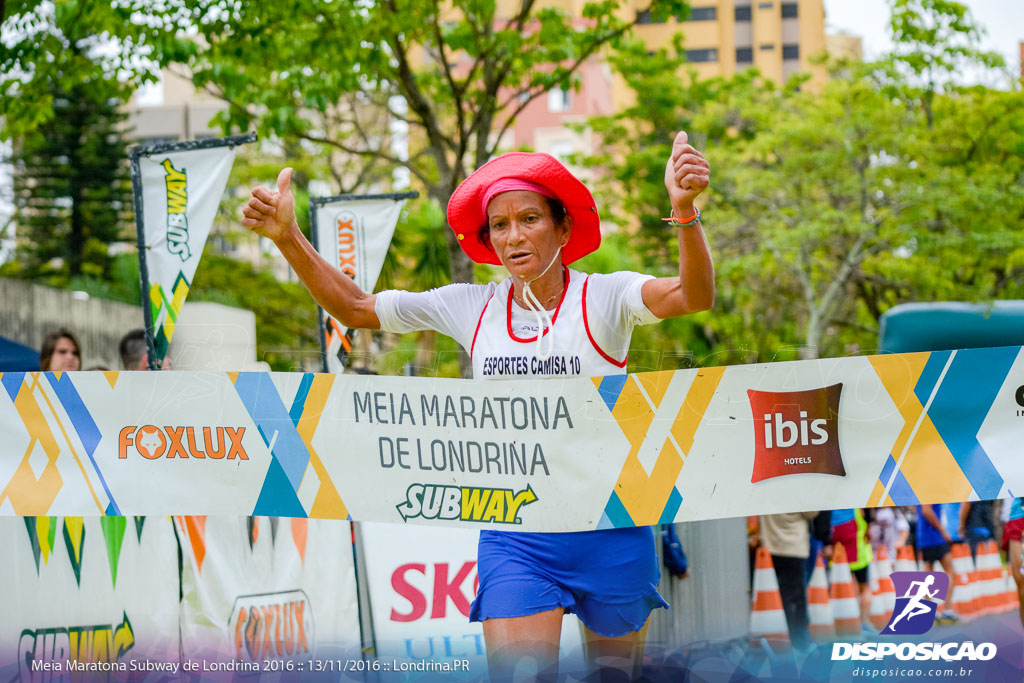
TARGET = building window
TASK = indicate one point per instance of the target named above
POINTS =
(744, 55)
(767, 46)
(743, 13)
(791, 52)
(706, 55)
(789, 10)
(764, 5)
(559, 100)
(703, 14)
(644, 17)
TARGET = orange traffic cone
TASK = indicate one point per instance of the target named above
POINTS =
(884, 593)
(767, 618)
(965, 603)
(819, 609)
(989, 573)
(845, 606)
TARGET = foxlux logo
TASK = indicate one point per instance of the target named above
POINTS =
(796, 432)
(152, 443)
(273, 625)
(466, 503)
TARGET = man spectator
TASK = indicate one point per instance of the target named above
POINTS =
(788, 538)
(977, 524)
(134, 354)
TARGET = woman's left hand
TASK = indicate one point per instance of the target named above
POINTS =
(687, 174)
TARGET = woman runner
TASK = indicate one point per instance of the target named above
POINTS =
(528, 213)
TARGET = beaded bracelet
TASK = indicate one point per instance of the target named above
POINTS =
(692, 220)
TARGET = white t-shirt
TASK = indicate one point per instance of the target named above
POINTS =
(613, 302)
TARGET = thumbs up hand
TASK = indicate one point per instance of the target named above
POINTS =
(272, 214)
(687, 174)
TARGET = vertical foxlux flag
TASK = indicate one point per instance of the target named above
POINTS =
(352, 232)
(178, 187)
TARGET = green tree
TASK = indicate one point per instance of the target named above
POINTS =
(827, 207)
(457, 77)
(935, 40)
(50, 49)
(72, 191)
(63, 77)
(344, 75)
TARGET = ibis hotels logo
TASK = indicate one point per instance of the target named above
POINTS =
(796, 432)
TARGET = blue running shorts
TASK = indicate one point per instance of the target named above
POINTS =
(608, 578)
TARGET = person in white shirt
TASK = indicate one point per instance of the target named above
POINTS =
(528, 213)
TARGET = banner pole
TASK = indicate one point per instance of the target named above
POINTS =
(135, 154)
(314, 204)
(140, 232)
(321, 326)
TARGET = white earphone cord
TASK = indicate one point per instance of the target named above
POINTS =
(533, 303)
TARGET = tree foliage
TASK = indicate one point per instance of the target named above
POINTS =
(58, 47)
(343, 74)
(830, 206)
(72, 191)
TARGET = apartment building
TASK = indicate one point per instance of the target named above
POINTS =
(721, 38)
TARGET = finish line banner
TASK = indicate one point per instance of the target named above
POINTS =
(563, 454)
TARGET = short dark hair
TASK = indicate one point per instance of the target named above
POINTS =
(50, 343)
(558, 215)
(132, 348)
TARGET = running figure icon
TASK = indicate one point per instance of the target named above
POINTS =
(916, 605)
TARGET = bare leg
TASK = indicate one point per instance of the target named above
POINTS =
(947, 566)
(618, 656)
(523, 648)
(1015, 571)
(864, 600)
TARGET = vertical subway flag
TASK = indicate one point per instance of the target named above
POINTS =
(178, 187)
(353, 233)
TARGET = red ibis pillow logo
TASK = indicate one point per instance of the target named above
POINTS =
(796, 432)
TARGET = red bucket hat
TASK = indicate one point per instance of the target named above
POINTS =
(466, 213)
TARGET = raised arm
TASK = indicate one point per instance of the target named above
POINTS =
(272, 215)
(687, 174)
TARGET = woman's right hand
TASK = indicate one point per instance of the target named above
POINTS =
(272, 214)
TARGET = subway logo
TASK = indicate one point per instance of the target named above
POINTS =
(465, 503)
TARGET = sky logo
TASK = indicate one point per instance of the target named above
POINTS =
(917, 598)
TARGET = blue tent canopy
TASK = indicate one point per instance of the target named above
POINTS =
(951, 325)
(17, 357)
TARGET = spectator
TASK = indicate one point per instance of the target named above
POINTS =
(977, 524)
(134, 354)
(788, 538)
(821, 538)
(850, 530)
(935, 541)
(61, 351)
(889, 528)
